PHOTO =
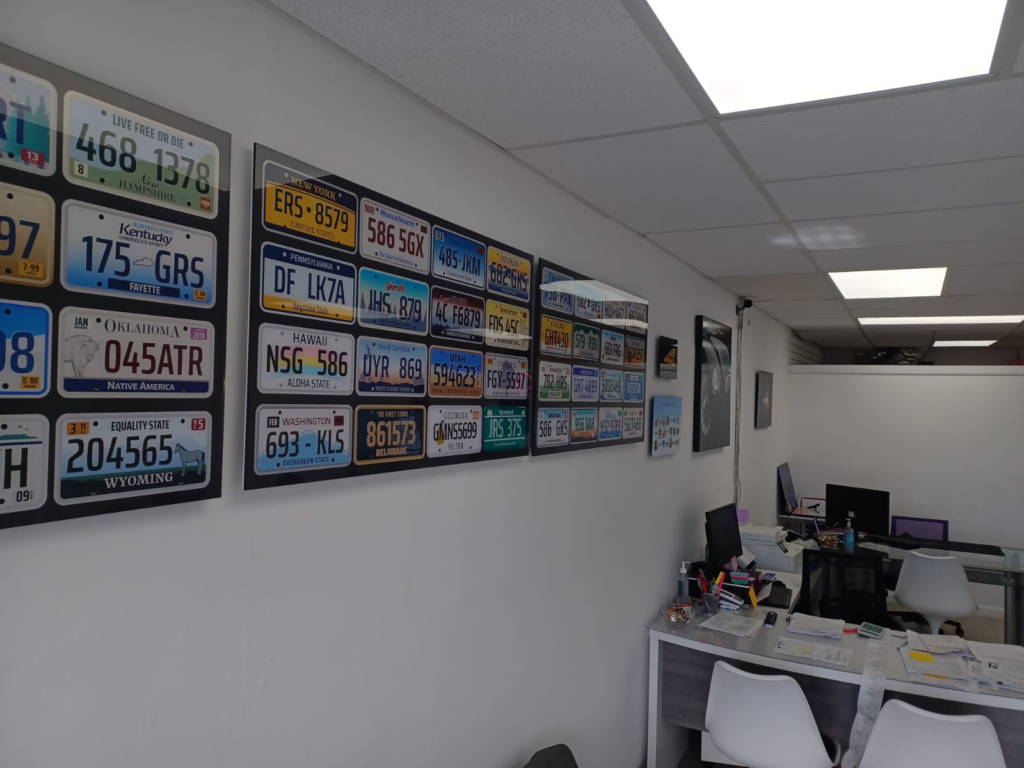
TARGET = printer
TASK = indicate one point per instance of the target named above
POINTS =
(770, 548)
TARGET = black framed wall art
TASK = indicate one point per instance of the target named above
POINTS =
(712, 385)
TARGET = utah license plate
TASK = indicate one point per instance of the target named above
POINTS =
(25, 331)
(504, 428)
(457, 258)
(555, 381)
(584, 425)
(611, 385)
(304, 361)
(456, 373)
(610, 424)
(28, 122)
(24, 456)
(633, 388)
(300, 283)
(632, 423)
(508, 326)
(292, 438)
(552, 427)
(308, 208)
(391, 368)
(389, 434)
(456, 316)
(26, 235)
(557, 291)
(507, 378)
(612, 346)
(555, 336)
(585, 386)
(392, 302)
(636, 352)
(586, 342)
(508, 274)
(454, 430)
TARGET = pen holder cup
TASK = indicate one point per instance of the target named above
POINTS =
(710, 603)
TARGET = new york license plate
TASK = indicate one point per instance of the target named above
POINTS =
(584, 425)
(555, 336)
(633, 388)
(636, 352)
(508, 274)
(586, 342)
(609, 424)
(457, 258)
(290, 438)
(300, 283)
(26, 235)
(304, 361)
(391, 368)
(399, 238)
(28, 122)
(456, 316)
(504, 428)
(585, 386)
(632, 423)
(611, 385)
(552, 427)
(557, 291)
(308, 208)
(25, 332)
(612, 347)
(393, 302)
(24, 456)
(389, 434)
(456, 373)
(454, 430)
(507, 377)
(508, 326)
(589, 298)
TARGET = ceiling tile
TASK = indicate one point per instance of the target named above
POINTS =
(657, 181)
(827, 324)
(801, 287)
(928, 306)
(911, 256)
(989, 280)
(760, 250)
(793, 310)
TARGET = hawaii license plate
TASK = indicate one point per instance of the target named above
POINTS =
(26, 235)
(636, 352)
(28, 122)
(24, 456)
(507, 378)
(391, 368)
(458, 258)
(555, 336)
(456, 316)
(388, 234)
(120, 152)
(389, 434)
(557, 291)
(24, 349)
(454, 430)
(585, 384)
(552, 427)
(609, 424)
(114, 455)
(304, 361)
(508, 326)
(633, 388)
(308, 208)
(611, 385)
(290, 438)
(612, 347)
(588, 300)
(106, 251)
(555, 381)
(504, 428)
(392, 302)
(632, 423)
(300, 283)
(456, 373)
(116, 354)
(508, 274)
(586, 342)
(584, 425)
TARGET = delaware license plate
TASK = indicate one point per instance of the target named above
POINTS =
(456, 316)
(392, 302)
(26, 235)
(120, 152)
(507, 378)
(612, 347)
(588, 300)
(552, 427)
(24, 456)
(508, 274)
(586, 342)
(584, 425)
(116, 354)
(557, 291)
(613, 309)
(609, 424)
(109, 252)
(555, 336)
(504, 428)
(611, 386)
(291, 438)
(555, 381)
(391, 368)
(632, 423)
(24, 349)
(456, 373)
(508, 326)
(388, 234)
(585, 384)
(458, 258)
(454, 430)
(308, 208)
(116, 455)
(636, 352)
(28, 122)
(389, 434)
(300, 283)
(633, 388)
(304, 361)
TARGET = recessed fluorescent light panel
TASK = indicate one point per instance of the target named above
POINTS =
(752, 54)
(965, 343)
(890, 283)
(950, 320)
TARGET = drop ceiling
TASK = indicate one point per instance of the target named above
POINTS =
(593, 95)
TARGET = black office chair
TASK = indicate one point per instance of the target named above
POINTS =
(559, 756)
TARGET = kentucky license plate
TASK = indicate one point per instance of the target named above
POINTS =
(392, 302)
(456, 316)
(585, 384)
(457, 258)
(611, 385)
(557, 291)
(504, 428)
(116, 354)
(507, 378)
(456, 373)
(24, 349)
(28, 122)
(454, 430)
(508, 326)
(552, 427)
(308, 208)
(292, 438)
(584, 425)
(508, 274)
(609, 424)
(300, 283)
(391, 368)
(115, 455)
(304, 361)
(389, 434)
(586, 342)
(633, 388)
(632, 423)
(612, 347)
(26, 235)
(555, 336)
(24, 456)
(388, 234)
(555, 381)
(636, 352)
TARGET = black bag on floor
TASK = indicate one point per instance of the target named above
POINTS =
(559, 756)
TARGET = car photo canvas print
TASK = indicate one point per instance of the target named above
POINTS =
(712, 385)
(765, 397)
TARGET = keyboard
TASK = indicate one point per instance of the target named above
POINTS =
(780, 596)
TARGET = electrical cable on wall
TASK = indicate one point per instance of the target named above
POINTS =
(742, 307)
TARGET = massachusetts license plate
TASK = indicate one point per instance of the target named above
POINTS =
(26, 235)
(117, 151)
(391, 368)
(612, 347)
(586, 342)
(584, 425)
(636, 352)
(24, 457)
(504, 428)
(613, 309)
(508, 274)
(457, 258)
(298, 283)
(456, 316)
(589, 298)
(454, 430)
(25, 332)
(585, 384)
(552, 427)
(308, 208)
(555, 336)
(28, 122)
(506, 377)
(304, 361)
(393, 302)
(508, 326)
(609, 424)
(389, 434)
(611, 385)
(633, 388)
(456, 373)
(106, 251)
(555, 381)
(290, 438)
(632, 423)
(116, 455)
(116, 354)
(390, 235)
(557, 291)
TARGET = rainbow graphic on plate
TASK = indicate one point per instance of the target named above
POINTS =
(305, 361)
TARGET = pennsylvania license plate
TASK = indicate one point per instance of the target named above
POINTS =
(456, 316)
(300, 283)
(613, 309)
(504, 428)
(585, 384)
(633, 388)
(291, 438)
(557, 291)
(552, 427)
(507, 378)
(636, 352)
(109, 252)
(308, 208)
(555, 381)
(28, 122)
(117, 151)
(611, 385)
(304, 361)
(586, 342)
(508, 326)
(612, 347)
(116, 455)
(556, 336)
(458, 258)
(390, 235)
(26, 235)
(584, 425)
(25, 332)
(632, 423)
(456, 373)
(391, 368)
(116, 354)
(393, 302)
(389, 434)
(24, 456)
(588, 300)
(454, 430)
(508, 274)
(609, 424)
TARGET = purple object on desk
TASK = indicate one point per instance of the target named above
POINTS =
(743, 516)
(920, 528)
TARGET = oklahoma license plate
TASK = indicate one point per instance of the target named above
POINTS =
(290, 438)
(300, 283)
(106, 251)
(457, 258)
(585, 384)
(508, 326)
(508, 274)
(557, 291)
(388, 234)
(611, 385)
(504, 428)
(117, 151)
(115, 455)
(24, 456)
(24, 349)
(456, 373)
(391, 368)
(393, 302)
(456, 316)
(632, 423)
(304, 361)
(28, 122)
(612, 347)
(609, 424)
(586, 342)
(506, 377)
(588, 300)
(389, 434)
(584, 425)
(554, 381)
(454, 430)
(633, 388)
(555, 336)
(552, 427)
(636, 352)
(308, 208)
(116, 354)
(26, 235)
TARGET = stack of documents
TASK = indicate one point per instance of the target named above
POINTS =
(950, 670)
(733, 625)
(815, 626)
(829, 654)
(937, 644)
(1001, 666)
(951, 662)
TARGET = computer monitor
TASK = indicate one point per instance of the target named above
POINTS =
(786, 492)
(723, 532)
(869, 509)
(840, 585)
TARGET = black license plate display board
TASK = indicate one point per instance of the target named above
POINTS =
(113, 298)
(381, 337)
(590, 380)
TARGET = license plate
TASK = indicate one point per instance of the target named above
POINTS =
(585, 384)
(300, 283)
(28, 118)
(24, 349)
(291, 438)
(588, 300)
(388, 234)
(304, 361)
(611, 386)
(117, 151)
(389, 434)
(119, 254)
(115, 455)
(391, 368)
(456, 316)
(26, 235)
(392, 302)
(24, 456)
(504, 428)
(508, 274)
(633, 388)
(555, 381)
(586, 342)
(612, 347)
(116, 354)
(557, 291)
(508, 326)
(454, 430)
(507, 378)
(636, 352)
(456, 373)
(609, 424)
(636, 315)
(458, 258)
(613, 309)
(555, 336)
(584, 425)
(552, 427)
(308, 208)
(632, 423)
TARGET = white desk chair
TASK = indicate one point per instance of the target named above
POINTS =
(764, 721)
(936, 588)
(905, 735)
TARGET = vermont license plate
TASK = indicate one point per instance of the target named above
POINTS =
(632, 423)
(24, 349)
(557, 291)
(457, 258)
(308, 208)
(508, 274)
(504, 428)
(109, 252)
(24, 457)
(456, 373)
(506, 377)
(116, 354)
(28, 122)
(454, 430)
(636, 352)
(304, 361)
(609, 424)
(584, 425)
(393, 302)
(300, 283)
(456, 316)
(555, 336)
(292, 438)
(612, 347)
(588, 300)
(26, 235)
(390, 235)
(508, 326)
(552, 427)
(586, 342)
(633, 388)
(555, 381)
(391, 368)
(389, 434)
(585, 384)
(611, 385)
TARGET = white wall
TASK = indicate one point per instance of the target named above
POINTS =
(458, 617)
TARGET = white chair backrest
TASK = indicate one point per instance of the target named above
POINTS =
(935, 586)
(763, 721)
(907, 736)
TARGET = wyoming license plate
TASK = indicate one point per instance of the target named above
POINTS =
(456, 373)
(458, 258)
(507, 378)
(26, 236)
(392, 302)
(552, 427)
(24, 455)
(391, 368)
(389, 434)
(456, 316)
(300, 283)
(390, 235)
(304, 361)
(28, 122)
(454, 430)
(308, 208)
(504, 428)
(25, 331)
(291, 438)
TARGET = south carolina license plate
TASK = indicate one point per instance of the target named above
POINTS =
(507, 378)
(508, 274)
(392, 302)
(109, 252)
(24, 456)
(636, 352)
(584, 425)
(454, 430)
(308, 208)
(555, 336)
(552, 427)
(114, 455)
(588, 300)
(300, 283)
(632, 423)
(504, 428)
(28, 122)
(456, 316)
(388, 234)
(26, 235)
(290, 438)
(555, 381)
(557, 291)
(609, 424)
(612, 347)
(25, 331)
(457, 258)
(633, 388)
(389, 434)
(391, 368)
(456, 373)
(304, 361)
(508, 326)
(115, 354)
(611, 385)
(585, 387)
(586, 342)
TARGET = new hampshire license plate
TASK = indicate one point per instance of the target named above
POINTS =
(293, 438)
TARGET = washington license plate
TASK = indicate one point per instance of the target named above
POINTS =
(552, 427)
(28, 122)
(504, 428)
(507, 377)
(304, 361)
(24, 456)
(457, 258)
(456, 316)
(586, 342)
(555, 336)
(632, 423)
(557, 291)
(588, 300)
(391, 368)
(612, 347)
(26, 235)
(389, 434)
(392, 302)
(636, 352)
(456, 373)
(25, 332)
(555, 381)
(388, 234)
(308, 208)
(454, 430)
(300, 283)
(508, 274)
(633, 388)
(585, 384)
(292, 438)
(609, 424)
(584, 425)
(508, 326)
(611, 385)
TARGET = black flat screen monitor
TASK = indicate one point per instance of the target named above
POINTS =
(869, 509)
(788, 500)
(723, 532)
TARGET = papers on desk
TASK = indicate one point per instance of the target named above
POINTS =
(936, 644)
(1001, 666)
(829, 654)
(951, 662)
(943, 670)
(815, 626)
(739, 626)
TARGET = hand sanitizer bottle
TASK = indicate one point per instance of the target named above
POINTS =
(849, 537)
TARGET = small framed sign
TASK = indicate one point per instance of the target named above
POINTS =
(668, 357)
